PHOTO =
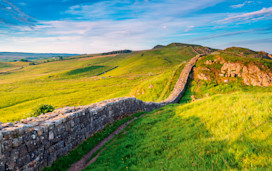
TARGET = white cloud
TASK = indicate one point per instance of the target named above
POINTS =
(94, 36)
(189, 28)
(241, 5)
(251, 15)
(156, 22)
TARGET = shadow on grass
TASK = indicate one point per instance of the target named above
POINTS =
(164, 140)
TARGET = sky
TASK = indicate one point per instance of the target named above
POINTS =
(94, 26)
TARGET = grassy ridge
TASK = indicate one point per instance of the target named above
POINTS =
(73, 82)
(159, 87)
(221, 132)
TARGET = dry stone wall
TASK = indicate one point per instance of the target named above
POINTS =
(180, 86)
(34, 143)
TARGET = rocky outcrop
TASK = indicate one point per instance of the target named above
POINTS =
(203, 76)
(250, 73)
(231, 69)
(34, 143)
(253, 75)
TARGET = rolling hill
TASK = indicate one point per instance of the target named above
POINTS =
(218, 125)
(223, 122)
(87, 79)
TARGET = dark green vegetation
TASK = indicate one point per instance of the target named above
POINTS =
(117, 52)
(41, 109)
(66, 161)
(78, 81)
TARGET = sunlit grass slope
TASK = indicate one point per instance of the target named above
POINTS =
(221, 132)
(75, 82)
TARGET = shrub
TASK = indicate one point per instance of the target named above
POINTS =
(41, 109)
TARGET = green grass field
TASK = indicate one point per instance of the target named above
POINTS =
(74, 81)
(222, 132)
(228, 127)
(228, 130)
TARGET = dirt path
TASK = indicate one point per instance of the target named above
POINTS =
(81, 164)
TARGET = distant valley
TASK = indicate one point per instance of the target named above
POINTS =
(12, 56)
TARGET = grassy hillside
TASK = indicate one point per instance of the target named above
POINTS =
(78, 81)
(216, 126)
(221, 132)
(227, 128)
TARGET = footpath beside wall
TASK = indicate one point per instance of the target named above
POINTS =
(34, 143)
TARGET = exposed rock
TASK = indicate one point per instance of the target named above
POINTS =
(193, 97)
(203, 69)
(231, 69)
(208, 62)
(202, 76)
(251, 73)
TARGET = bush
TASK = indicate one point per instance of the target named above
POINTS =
(41, 109)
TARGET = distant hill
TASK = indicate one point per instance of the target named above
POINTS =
(117, 52)
(158, 46)
(11, 56)
(248, 53)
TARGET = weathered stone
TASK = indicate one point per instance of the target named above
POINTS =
(51, 135)
(202, 76)
(16, 142)
(208, 62)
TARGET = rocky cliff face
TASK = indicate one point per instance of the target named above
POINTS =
(252, 73)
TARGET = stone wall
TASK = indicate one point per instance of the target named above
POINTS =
(33, 143)
(180, 86)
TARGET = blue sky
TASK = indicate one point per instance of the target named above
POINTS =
(90, 26)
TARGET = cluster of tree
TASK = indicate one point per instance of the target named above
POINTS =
(24, 60)
(59, 58)
(116, 52)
